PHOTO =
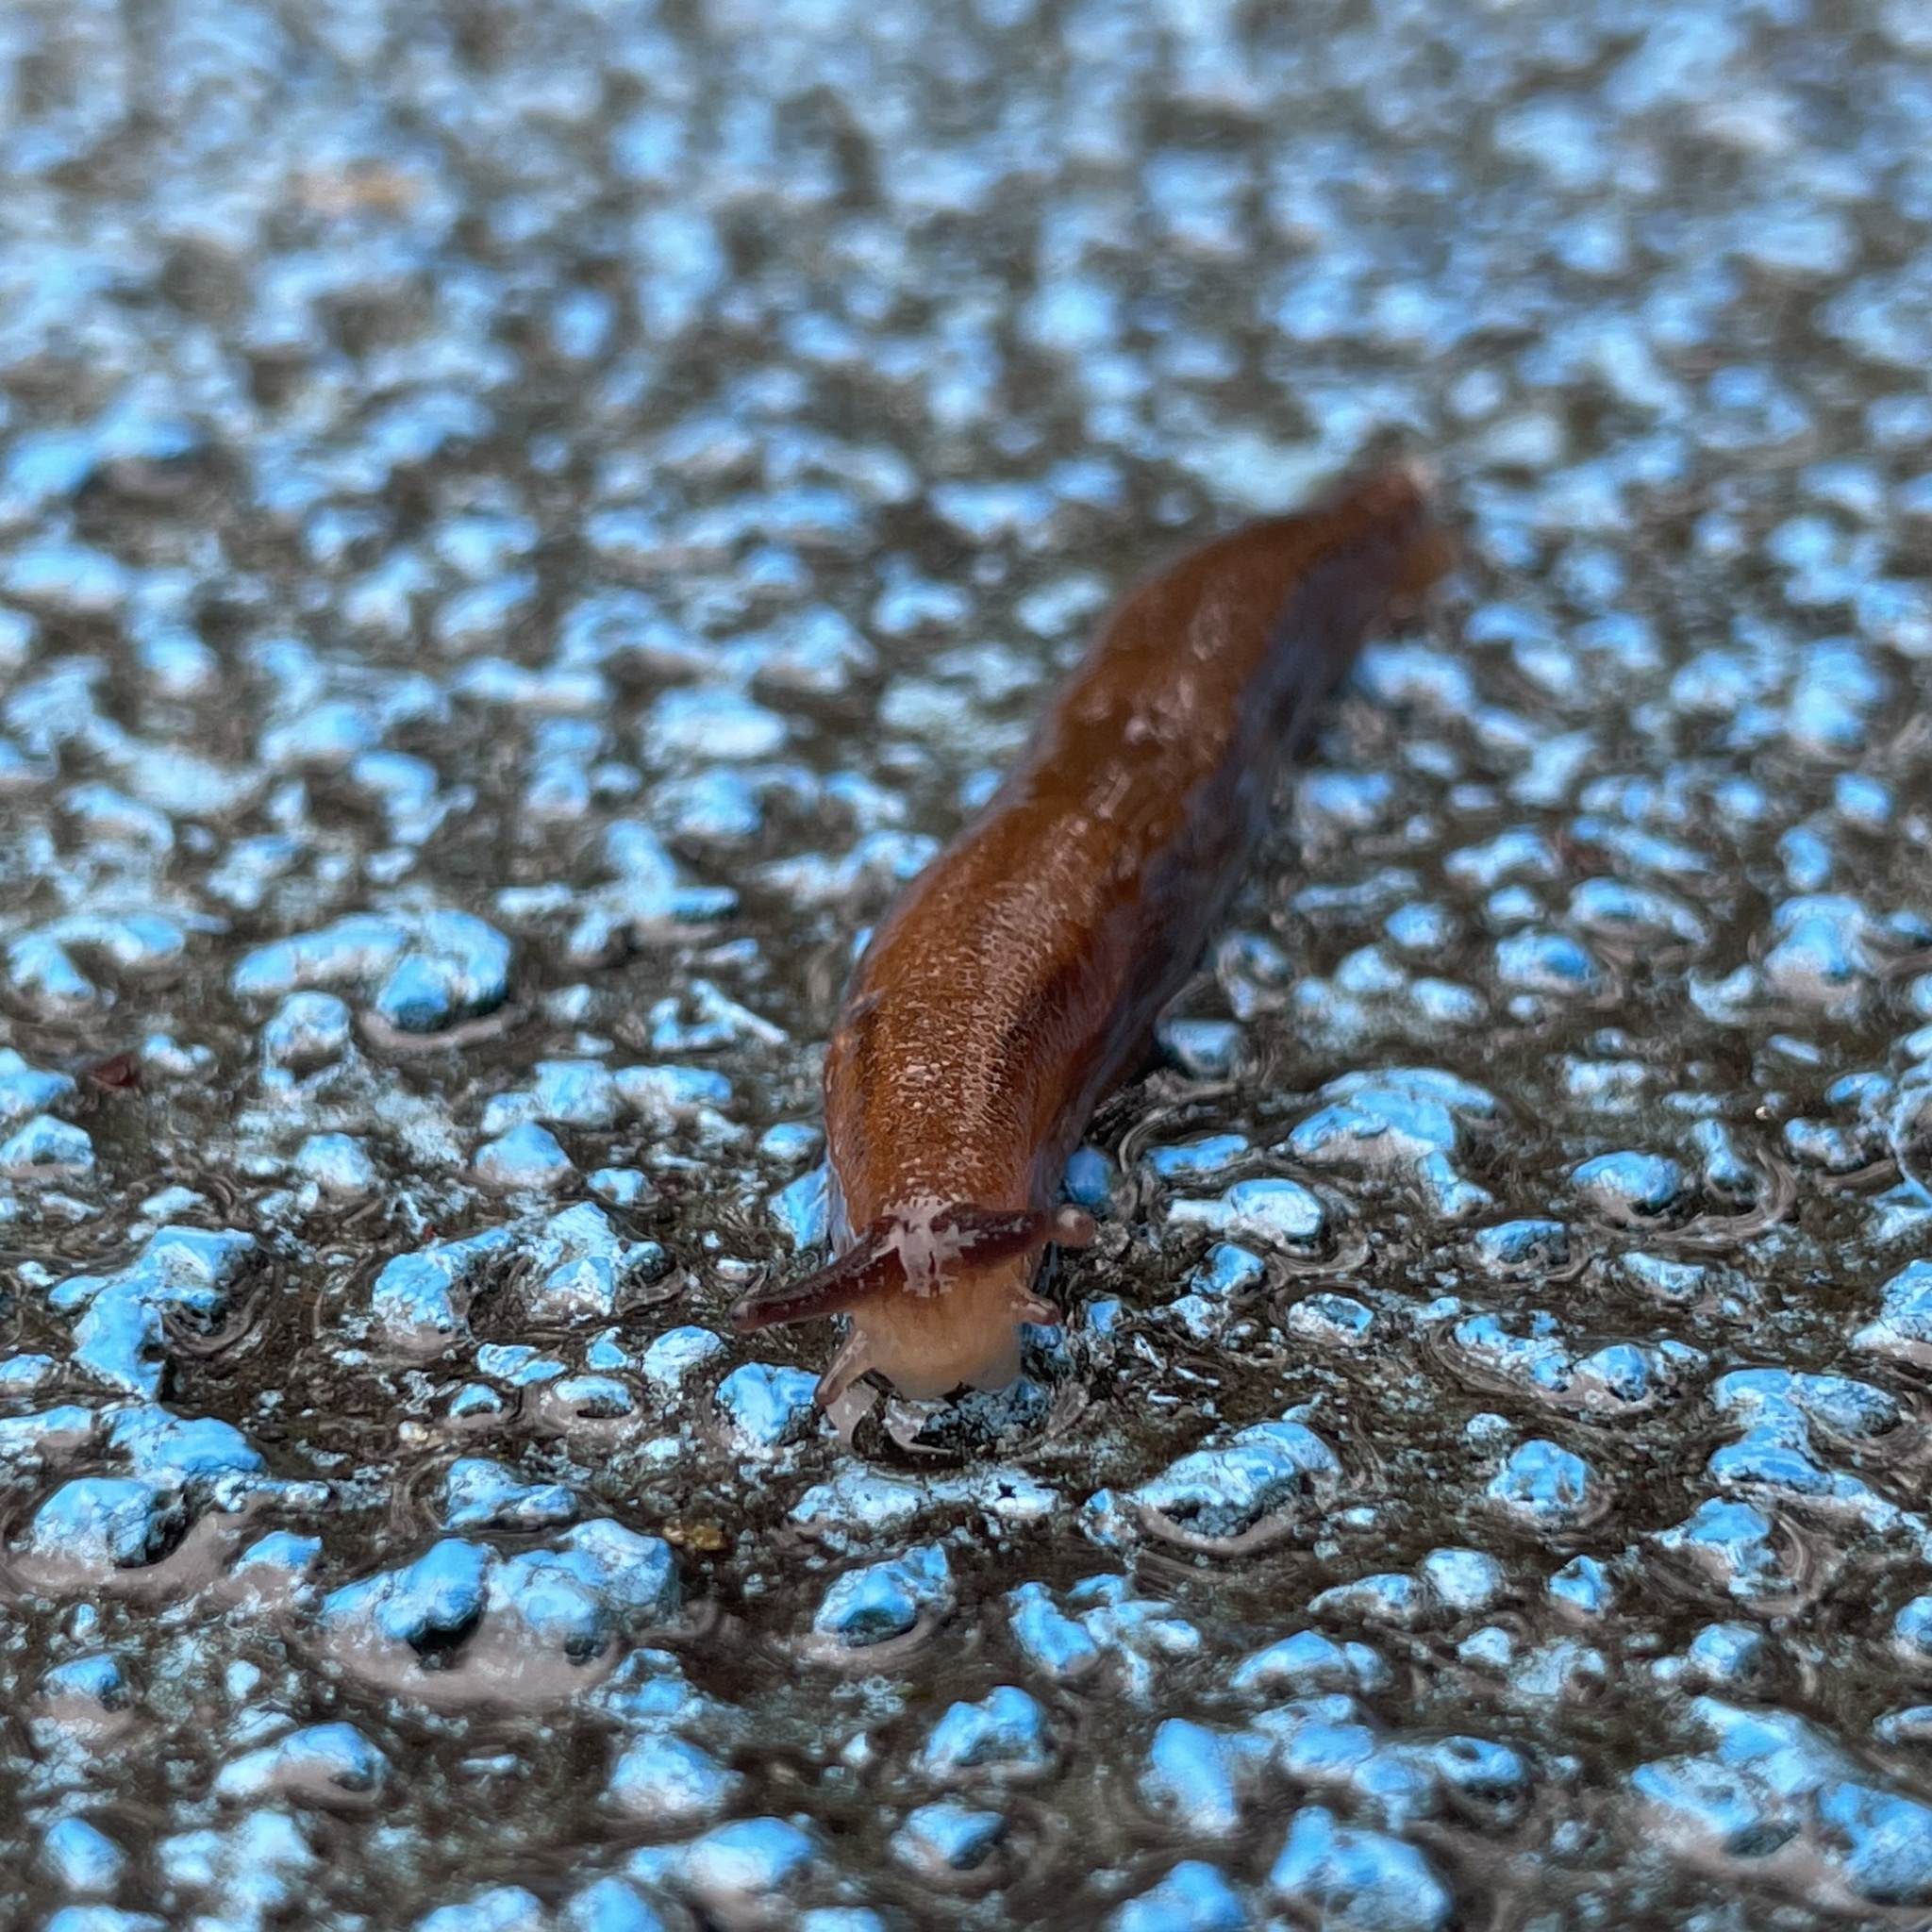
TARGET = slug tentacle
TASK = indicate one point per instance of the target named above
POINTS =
(865, 1268)
(852, 1361)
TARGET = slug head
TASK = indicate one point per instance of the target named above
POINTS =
(936, 1293)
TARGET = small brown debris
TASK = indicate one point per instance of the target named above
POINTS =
(701, 1539)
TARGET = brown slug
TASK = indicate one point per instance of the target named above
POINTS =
(1017, 978)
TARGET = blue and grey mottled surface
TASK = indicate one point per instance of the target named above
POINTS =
(519, 524)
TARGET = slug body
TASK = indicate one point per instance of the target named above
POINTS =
(1019, 976)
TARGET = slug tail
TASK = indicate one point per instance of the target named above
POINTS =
(1429, 552)
(1378, 550)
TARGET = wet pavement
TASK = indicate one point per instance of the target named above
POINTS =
(518, 527)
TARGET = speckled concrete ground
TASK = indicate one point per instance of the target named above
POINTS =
(518, 527)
